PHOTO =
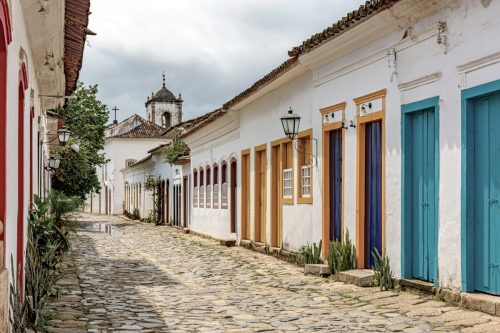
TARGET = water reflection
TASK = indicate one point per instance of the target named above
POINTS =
(105, 228)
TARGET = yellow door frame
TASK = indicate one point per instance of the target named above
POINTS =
(361, 121)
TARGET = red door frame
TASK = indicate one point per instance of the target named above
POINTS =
(5, 39)
(23, 85)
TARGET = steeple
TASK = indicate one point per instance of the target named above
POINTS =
(164, 108)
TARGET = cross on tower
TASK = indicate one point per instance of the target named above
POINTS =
(115, 109)
(163, 79)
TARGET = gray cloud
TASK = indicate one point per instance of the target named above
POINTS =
(210, 49)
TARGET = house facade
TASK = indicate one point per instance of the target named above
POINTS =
(398, 145)
(41, 51)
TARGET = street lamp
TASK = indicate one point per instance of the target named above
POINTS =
(63, 135)
(290, 122)
(53, 163)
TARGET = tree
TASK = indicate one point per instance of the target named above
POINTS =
(86, 118)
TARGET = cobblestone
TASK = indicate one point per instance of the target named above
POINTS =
(136, 277)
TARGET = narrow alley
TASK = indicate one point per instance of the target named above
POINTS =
(136, 277)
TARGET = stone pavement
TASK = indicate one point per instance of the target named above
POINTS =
(136, 277)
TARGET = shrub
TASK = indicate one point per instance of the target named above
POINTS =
(136, 215)
(62, 205)
(342, 256)
(382, 270)
(310, 254)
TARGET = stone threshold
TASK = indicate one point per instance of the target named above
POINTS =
(486, 303)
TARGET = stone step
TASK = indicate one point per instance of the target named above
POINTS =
(317, 269)
(358, 277)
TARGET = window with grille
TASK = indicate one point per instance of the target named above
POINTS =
(208, 197)
(216, 196)
(195, 196)
(195, 189)
(224, 196)
(288, 183)
(305, 181)
(201, 196)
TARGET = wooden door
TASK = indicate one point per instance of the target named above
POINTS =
(245, 195)
(335, 184)
(185, 199)
(275, 196)
(373, 190)
(420, 197)
(487, 193)
(260, 196)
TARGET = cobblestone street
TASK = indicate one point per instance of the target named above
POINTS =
(136, 277)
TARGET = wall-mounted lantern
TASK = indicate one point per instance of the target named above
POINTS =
(290, 122)
(63, 134)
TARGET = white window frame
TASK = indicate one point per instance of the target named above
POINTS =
(305, 181)
(201, 199)
(287, 183)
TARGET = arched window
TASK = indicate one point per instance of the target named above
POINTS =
(215, 203)
(201, 200)
(166, 120)
(224, 196)
(195, 188)
(208, 194)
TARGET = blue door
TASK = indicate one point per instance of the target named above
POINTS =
(487, 193)
(420, 196)
(336, 184)
(373, 190)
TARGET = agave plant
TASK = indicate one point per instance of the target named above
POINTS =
(382, 270)
(18, 308)
(342, 256)
(310, 254)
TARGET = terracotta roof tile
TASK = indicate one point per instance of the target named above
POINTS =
(143, 131)
(76, 19)
(366, 11)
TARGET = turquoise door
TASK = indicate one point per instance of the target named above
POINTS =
(487, 193)
(422, 193)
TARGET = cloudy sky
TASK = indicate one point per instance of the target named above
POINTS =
(211, 50)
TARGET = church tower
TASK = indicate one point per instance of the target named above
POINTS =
(163, 108)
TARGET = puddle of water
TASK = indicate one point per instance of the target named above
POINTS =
(104, 228)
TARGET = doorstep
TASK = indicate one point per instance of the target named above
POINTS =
(425, 286)
(228, 242)
(481, 302)
(358, 277)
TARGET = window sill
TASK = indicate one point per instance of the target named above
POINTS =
(287, 201)
(306, 201)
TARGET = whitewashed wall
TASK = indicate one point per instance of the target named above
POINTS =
(215, 143)
(119, 150)
(471, 30)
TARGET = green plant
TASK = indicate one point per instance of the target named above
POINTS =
(310, 254)
(382, 270)
(136, 214)
(342, 256)
(61, 206)
(176, 150)
(18, 309)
